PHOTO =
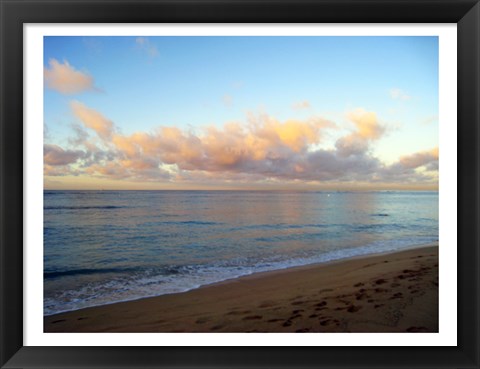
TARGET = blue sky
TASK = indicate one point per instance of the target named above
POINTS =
(194, 84)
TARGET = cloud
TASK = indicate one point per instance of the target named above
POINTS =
(367, 130)
(93, 120)
(236, 147)
(367, 124)
(144, 44)
(57, 161)
(398, 94)
(65, 79)
(301, 105)
(55, 155)
(352, 144)
(262, 149)
(419, 159)
(405, 169)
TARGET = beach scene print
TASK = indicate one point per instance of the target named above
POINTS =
(240, 184)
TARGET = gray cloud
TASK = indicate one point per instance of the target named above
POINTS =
(55, 155)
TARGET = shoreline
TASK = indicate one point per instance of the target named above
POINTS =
(266, 297)
(262, 272)
(312, 265)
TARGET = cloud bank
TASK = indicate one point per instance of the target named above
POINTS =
(262, 149)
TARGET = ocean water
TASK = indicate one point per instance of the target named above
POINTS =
(102, 247)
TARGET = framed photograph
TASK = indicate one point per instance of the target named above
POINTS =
(239, 184)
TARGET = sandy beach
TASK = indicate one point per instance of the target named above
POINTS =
(396, 292)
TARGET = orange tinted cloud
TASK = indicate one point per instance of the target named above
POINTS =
(367, 129)
(65, 79)
(93, 120)
(229, 148)
(55, 155)
(420, 159)
(367, 124)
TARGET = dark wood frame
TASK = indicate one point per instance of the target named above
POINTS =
(14, 13)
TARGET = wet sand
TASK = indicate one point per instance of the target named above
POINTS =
(396, 292)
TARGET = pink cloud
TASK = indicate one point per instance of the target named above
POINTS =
(65, 79)
(367, 130)
(93, 120)
(55, 155)
(420, 159)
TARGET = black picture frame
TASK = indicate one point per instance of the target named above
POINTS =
(15, 13)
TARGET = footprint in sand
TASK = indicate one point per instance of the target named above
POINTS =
(298, 311)
(325, 322)
(265, 304)
(274, 320)
(353, 308)
(235, 312)
(360, 296)
(302, 330)
(253, 317)
(216, 327)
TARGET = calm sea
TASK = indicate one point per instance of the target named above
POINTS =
(107, 246)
